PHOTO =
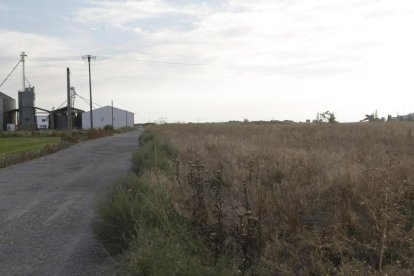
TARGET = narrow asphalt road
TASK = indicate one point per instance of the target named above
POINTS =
(47, 206)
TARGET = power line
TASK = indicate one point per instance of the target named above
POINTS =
(10, 73)
(86, 100)
(28, 82)
(45, 58)
(247, 68)
(62, 104)
(177, 63)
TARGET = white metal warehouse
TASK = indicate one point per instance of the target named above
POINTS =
(108, 115)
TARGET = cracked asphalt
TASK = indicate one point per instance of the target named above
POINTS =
(47, 206)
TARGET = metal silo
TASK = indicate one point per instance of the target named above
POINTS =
(9, 108)
(7, 111)
(27, 114)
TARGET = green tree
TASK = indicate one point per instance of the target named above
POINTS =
(332, 118)
(328, 117)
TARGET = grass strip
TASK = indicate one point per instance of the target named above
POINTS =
(16, 145)
(136, 219)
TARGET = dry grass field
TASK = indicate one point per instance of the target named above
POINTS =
(299, 199)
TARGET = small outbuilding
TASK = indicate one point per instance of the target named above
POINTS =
(108, 115)
(58, 118)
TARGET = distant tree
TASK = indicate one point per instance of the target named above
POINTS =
(328, 117)
(332, 118)
(373, 117)
(246, 121)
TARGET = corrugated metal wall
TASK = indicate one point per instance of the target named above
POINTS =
(103, 116)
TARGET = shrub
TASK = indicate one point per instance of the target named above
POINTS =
(108, 128)
(98, 133)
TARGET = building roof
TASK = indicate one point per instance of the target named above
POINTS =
(64, 110)
(110, 107)
(2, 95)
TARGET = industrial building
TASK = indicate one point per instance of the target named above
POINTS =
(108, 115)
(58, 118)
(7, 111)
(25, 117)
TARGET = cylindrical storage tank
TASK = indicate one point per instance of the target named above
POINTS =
(9, 104)
(7, 111)
(27, 109)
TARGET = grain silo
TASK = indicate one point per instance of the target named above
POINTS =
(27, 112)
(7, 111)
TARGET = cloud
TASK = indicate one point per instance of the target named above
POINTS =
(242, 58)
(379, 14)
(11, 42)
(288, 36)
(260, 35)
(44, 66)
(3, 7)
(119, 13)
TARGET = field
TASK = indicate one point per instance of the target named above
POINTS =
(274, 199)
(19, 147)
(299, 199)
(16, 145)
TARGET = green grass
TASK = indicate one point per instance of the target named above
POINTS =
(18, 145)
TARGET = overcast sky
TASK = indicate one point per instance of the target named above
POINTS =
(216, 60)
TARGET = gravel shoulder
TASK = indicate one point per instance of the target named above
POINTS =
(47, 206)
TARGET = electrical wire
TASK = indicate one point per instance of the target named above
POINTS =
(28, 82)
(10, 73)
(61, 104)
(240, 68)
(87, 101)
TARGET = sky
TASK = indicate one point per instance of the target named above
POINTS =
(218, 60)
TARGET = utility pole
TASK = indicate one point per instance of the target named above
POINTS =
(126, 118)
(89, 58)
(112, 104)
(69, 106)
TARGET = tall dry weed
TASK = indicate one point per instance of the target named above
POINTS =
(328, 198)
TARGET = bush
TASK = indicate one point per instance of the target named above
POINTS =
(108, 128)
(98, 133)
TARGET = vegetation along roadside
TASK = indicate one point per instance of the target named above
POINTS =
(266, 200)
(20, 146)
